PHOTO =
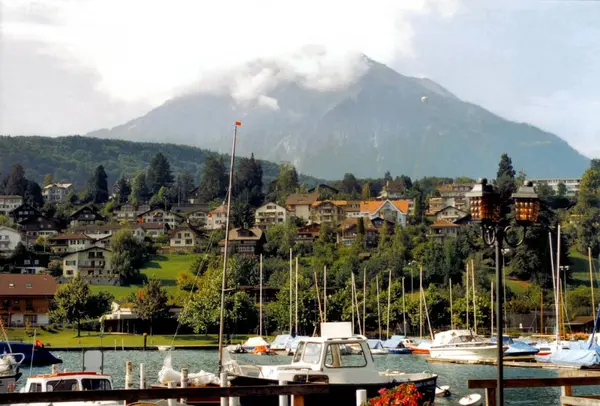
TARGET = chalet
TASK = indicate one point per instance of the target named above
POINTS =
(32, 263)
(217, 218)
(160, 216)
(248, 242)
(348, 231)
(88, 263)
(455, 190)
(439, 203)
(450, 213)
(129, 212)
(24, 212)
(98, 231)
(70, 242)
(185, 236)
(57, 192)
(195, 196)
(270, 214)
(443, 228)
(390, 210)
(308, 234)
(299, 204)
(326, 211)
(25, 299)
(38, 226)
(8, 203)
(9, 238)
(197, 214)
(85, 216)
(150, 230)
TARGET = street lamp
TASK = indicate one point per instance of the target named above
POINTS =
(489, 209)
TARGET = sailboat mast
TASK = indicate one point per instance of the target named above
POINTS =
(296, 295)
(291, 291)
(474, 297)
(558, 283)
(467, 294)
(403, 307)
(352, 299)
(451, 312)
(592, 282)
(260, 316)
(492, 308)
(389, 303)
(325, 294)
(364, 325)
(556, 311)
(378, 305)
(420, 301)
(226, 247)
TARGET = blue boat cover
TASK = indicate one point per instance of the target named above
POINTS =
(393, 342)
(375, 344)
(572, 356)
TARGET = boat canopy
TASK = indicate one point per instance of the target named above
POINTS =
(453, 336)
(394, 342)
(293, 344)
(375, 344)
(255, 342)
(281, 341)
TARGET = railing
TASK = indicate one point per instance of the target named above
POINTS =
(566, 384)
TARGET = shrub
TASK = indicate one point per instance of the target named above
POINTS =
(404, 394)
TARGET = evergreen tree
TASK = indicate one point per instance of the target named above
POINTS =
(350, 185)
(248, 181)
(159, 173)
(15, 182)
(98, 186)
(242, 215)
(47, 180)
(139, 189)
(360, 226)
(183, 186)
(287, 179)
(589, 187)
(161, 199)
(366, 191)
(214, 178)
(33, 194)
(122, 189)
(505, 178)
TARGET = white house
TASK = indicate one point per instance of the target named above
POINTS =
(72, 242)
(390, 210)
(217, 218)
(160, 216)
(8, 203)
(572, 184)
(57, 192)
(299, 204)
(9, 238)
(270, 214)
(90, 262)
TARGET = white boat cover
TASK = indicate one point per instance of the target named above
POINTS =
(375, 344)
(255, 342)
(293, 344)
(393, 342)
(281, 341)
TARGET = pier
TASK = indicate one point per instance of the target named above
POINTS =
(513, 363)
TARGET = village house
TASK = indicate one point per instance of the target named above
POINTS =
(8, 203)
(9, 238)
(84, 216)
(71, 242)
(454, 190)
(129, 212)
(57, 192)
(25, 299)
(150, 230)
(24, 212)
(217, 218)
(99, 231)
(194, 196)
(308, 234)
(185, 236)
(197, 214)
(326, 211)
(351, 208)
(247, 242)
(390, 210)
(160, 216)
(32, 263)
(348, 231)
(450, 213)
(269, 214)
(443, 228)
(439, 203)
(299, 204)
(39, 226)
(93, 262)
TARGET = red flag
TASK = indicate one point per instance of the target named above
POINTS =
(238, 123)
(38, 343)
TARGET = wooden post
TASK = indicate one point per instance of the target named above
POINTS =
(361, 397)
(224, 383)
(142, 377)
(184, 383)
(297, 400)
(129, 375)
(490, 396)
(592, 282)
(283, 399)
(474, 297)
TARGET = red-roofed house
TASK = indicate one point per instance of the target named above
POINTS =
(25, 297)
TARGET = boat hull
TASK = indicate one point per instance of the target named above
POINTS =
(40, 355)
(489, 352)
(415, 349)
(399, 350)
(342, 394)
(8, 382)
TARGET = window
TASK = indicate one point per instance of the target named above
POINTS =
(188, 242)
(334, 359)
(68, 385)
(27, 262)
(312, 353)
(28, 285)
(299, 352)
(35, 387)
(96, 384)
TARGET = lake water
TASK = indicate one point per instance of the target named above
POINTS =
(449, 374)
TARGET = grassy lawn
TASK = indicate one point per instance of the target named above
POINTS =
(68, 338)
(166, 268)
(517, 286)
(581, 267)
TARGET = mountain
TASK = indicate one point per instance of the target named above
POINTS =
(375, 124)
(74, 158)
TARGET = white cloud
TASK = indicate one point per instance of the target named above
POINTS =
(148, 50)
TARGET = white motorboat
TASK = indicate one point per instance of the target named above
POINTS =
(9, 371)
(280, 343)
(321, 359)
(462, 345)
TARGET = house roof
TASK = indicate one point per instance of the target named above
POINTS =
(451, 207)
(152, 226)
(11, 197)
(155, 211)
(581, 320)
(187, 226)
(59, 185)
(339, 203)
(221, 209)
(372, 206)
(324, 186)
(89, 228)
(450, 187)
(87, 249)
(25, 206)
(441, 223)
(301, 198)
(27, 285)
(71, 236)
(185, 209)
(79, 210)
(10, 229)
(255, 233)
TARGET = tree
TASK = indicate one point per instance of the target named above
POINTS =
(505, 178)
(248, 181)
(366, 191)
(160, 199)
(15, 181)
(589, 187)
(47, 180)
(561, 189)
(159, 173)
(151, 303)
(98, 186)
(139, 189)
(73, 303)
(242, 215)
(287, 181)
(5, 221)
(122, 189)
(33, 194)
(128, 255)
(214, 178)
(183, 186)
(350, 185)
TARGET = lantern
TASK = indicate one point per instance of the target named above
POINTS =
(481, 200)
(527, 203)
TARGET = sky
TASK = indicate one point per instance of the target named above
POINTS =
(73, 66)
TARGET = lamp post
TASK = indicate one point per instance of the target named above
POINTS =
(490, 210)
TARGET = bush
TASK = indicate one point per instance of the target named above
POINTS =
(405, 394)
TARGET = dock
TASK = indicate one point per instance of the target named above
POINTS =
(513, 363)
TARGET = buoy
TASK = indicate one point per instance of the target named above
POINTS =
(473, 399)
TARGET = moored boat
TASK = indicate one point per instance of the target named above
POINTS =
(34, 354)
(255, 342)
(9, 371)
(421, 348)
(279, 344)
(376, 347)
(517, 348)
(462, 345)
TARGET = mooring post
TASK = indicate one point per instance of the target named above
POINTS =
(128, 375)
(142, 377)
(115, 344)
(53, 369)
(283, 399)
(361, 397)
(490, 396)
(184, 383)
(145, 341)
(224, 383)
(171, 402)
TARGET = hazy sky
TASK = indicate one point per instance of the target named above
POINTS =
(72, 66)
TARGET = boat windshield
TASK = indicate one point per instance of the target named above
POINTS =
(62, 385)
(466, 339)
(299, 352)
(334, 358)
(96, 384)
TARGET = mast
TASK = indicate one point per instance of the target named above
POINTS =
(325, 294)
(291, 291)
(226, 246)
(492, 308)
(556, 311)
(296, 295)
(467, 294)
(357, 308)
(378, 306)
(592, 282)
(420, 301)
(451, 313)
(403, 307)
(352, 298)
(474, 297)
(558, 283)
(389, 303)
(364, 325)
(260, 317)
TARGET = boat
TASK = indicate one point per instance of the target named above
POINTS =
(319, 359)
(395, 345)
(34, 353)
(253, 342)
(9, 371)
(442, 391)
(376, 347)
(279, 344)
(235, 349)
(70, 382)
(473, 399)
(517, 348)
(462, 345)
(421, 348)
(292, 345)
(165, 347)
